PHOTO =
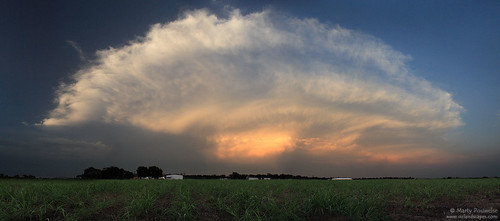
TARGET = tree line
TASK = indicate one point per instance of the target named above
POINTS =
(120, 173)
(238, 176)
(106, 173)
(156, 172)
(24, 176)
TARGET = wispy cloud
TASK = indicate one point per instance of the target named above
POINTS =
(79, 50)
(263, 86)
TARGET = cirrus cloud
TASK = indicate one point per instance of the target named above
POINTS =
(262, 85)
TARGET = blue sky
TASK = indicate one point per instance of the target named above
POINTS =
(447, 47)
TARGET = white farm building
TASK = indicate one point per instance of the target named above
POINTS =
(342, 178)
(174, 177)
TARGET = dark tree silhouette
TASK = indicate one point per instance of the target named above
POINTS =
(106, 173)
(111, 173)
(155, 172)
(116, 173)
(143, 171)
(237, 176)
(92, 173)
(126, 174)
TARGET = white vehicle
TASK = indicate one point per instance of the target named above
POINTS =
(174, 177)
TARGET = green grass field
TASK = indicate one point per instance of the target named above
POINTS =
(242, 199)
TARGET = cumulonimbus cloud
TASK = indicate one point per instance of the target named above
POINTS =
(261, 85)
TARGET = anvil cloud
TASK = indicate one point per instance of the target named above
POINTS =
(263, 86)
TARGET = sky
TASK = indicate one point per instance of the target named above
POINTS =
(328, 88)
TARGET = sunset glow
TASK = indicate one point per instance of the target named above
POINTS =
(423, 156)
(259, 144)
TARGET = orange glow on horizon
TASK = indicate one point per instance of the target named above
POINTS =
(412, 156)
(258, 144)
(267, 144)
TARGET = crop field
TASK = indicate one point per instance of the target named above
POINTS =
(244, 199)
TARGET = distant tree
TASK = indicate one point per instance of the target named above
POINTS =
(155, 171)
(127, 174)
(111, 173)
(143, 171)
(29, 176)
(106, 173)
(236, 175)
(116, 173)
(92, 173)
